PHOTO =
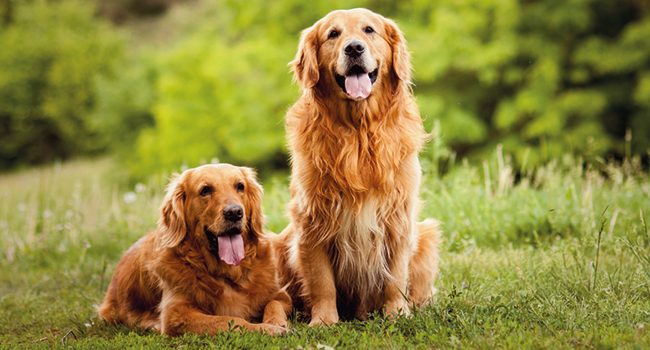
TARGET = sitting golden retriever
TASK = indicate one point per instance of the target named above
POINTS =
(207, 264)
(353, 245)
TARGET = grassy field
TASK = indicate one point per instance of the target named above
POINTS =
(558, 257)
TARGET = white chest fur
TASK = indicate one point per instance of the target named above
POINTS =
(361, 262)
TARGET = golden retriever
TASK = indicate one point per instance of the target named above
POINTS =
(208, 263)
(353, 244)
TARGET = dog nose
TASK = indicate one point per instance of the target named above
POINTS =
(233, 213)
(354, 49)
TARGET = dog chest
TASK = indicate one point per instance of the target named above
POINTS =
(235, 303)
(361, 260)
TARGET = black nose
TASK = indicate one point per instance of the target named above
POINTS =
(233, 213)
(354, 49)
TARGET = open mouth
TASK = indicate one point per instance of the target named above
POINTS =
(357, 83)
(228, 246)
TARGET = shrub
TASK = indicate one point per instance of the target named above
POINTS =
(549, 76)
(124, 104)
(218, 99)
(51, 54)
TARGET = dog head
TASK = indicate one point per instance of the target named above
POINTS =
(353, 51)
(219, 206)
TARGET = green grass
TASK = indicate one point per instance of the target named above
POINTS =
(528, 262)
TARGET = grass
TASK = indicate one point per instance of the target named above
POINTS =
(529, 261)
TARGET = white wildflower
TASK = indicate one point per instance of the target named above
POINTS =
(129, 197)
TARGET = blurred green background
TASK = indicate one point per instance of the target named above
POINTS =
(167, 84)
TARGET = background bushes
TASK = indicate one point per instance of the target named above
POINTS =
(549, 76)
(217, 100)
(209, 79)
(50, 54)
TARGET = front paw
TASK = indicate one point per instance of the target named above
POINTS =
(324, 320)
(277, 321)
(323, 315)
(394, 310)
(273, 330)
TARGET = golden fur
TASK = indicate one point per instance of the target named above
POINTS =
(173, 279)
(353, 241)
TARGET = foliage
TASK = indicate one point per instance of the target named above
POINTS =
(500, 286)
(51, 53)
(124, 104)
(217, 100)
(122, 10)
(552, 76)
(541, 78)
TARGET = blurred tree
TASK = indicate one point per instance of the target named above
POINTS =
(51, 52)
(6, 11)
(217, 100)
(124, 104)
(119, 11)
(554, 76)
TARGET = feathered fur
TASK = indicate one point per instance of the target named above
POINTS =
(173, 281)
(355, 178)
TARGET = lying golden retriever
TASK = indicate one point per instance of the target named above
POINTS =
(206, 265)
(353, 245)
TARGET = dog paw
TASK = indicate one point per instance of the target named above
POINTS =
(280, 322)
(320, 322)
(396, 310)
(273, 330)
(323, 316)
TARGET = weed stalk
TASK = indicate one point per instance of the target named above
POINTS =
(603, 222)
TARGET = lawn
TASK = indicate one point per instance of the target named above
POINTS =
(555, 257)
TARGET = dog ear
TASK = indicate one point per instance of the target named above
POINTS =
(171, 224)
(254, 192)
(305, 65)
(401, 56)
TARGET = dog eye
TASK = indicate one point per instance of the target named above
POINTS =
(206, 191)
(333, 34)
(369, 30)
(240, 187)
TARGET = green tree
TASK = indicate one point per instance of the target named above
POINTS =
(51, 53)
(217, 100)
(552, 76)
(124, 103)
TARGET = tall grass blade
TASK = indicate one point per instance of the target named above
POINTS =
(603, 222)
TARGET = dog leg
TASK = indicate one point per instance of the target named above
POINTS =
(276, 311)
(319, 281)
(423, 268)
(179, 316)
(395, 290)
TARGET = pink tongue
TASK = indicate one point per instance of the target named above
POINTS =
(358, 85)
(231, 249)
